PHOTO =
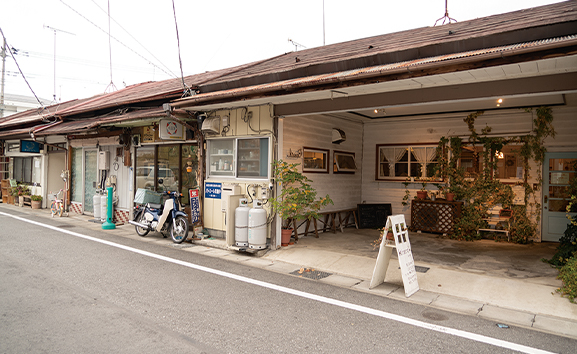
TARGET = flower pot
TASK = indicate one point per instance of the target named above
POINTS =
(450, 196)
(390, 236)
(36, 204)
(285, 236)
(422, 194)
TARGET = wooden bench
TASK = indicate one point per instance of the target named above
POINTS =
(329, 222)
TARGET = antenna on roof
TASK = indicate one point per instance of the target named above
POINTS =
(446, 17)
(296, 44)
(111, 85)
(56, 30)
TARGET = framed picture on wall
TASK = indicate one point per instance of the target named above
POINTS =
(315, 160)
(344, 162)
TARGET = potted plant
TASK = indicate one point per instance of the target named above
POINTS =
(13, 198)
(422, 194)
(36, 201)
(297, 198)
(23, 190)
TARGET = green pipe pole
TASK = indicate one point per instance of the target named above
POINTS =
(108, 224)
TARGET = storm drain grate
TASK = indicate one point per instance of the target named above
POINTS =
(420, 269)
(310, 273)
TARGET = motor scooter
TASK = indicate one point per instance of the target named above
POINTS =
(162, 218)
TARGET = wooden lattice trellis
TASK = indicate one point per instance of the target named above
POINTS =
(434, 216)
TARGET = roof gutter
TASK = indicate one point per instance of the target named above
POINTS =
(367, 73)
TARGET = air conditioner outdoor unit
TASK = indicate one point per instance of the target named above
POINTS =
(211, 125)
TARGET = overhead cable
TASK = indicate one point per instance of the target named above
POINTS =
(20, 70)
(136, 40)
(127, 47)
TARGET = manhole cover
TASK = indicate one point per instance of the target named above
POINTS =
(310, 273)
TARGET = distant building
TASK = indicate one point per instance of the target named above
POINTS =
(18, 103)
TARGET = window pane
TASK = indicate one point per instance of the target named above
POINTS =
(253, 158)
(27, 170)
(18, 173)
(76, 178)
(168, 168)
(145, 172)
(188, 170)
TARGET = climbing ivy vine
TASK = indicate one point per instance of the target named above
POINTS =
(482, 191)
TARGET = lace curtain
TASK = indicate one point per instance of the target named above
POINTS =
(393, 156)
(424, 155)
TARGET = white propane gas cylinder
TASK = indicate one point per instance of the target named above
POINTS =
(103, 207)
(96, 204)
(241, 223)
(257, 226)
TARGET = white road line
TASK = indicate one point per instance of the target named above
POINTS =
(326, 300)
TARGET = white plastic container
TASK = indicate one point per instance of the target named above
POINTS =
(241, 223)
(96, 205)
(103, 207)
(257, 226)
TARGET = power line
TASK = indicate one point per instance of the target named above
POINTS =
(20, 70)
(132, 50)
(136, 40)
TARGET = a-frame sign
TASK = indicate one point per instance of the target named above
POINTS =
(403, 246)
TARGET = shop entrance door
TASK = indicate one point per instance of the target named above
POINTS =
(90, 180)
(559, 168)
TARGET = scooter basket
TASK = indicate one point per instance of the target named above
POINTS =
(144, 196)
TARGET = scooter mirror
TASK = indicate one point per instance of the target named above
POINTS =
(160, 181)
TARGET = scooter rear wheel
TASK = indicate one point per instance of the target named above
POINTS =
(179, 229)
(139, 230)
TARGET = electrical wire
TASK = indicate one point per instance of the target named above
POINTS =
(187, 91)
(20, 70)
(136, 40)
(111, 84)
(116, 39)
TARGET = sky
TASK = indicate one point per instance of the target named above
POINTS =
(65, 51)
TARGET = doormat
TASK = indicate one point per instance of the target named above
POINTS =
(310, 273)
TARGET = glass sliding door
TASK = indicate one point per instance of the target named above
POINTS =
(90, 179)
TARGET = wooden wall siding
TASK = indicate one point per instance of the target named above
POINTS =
(565, 121)
(315, 131)
(429, 129)
(261, 120)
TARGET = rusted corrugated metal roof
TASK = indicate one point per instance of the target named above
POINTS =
(417, 43)
(378, 70)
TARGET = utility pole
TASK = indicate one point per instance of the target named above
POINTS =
(56, 30)
(3, 55)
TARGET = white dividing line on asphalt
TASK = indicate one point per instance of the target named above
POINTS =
(326, 300)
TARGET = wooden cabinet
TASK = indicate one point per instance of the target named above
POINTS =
(434, 216)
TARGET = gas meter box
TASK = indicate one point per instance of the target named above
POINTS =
(103, 160)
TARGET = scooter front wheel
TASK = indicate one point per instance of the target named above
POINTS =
(179, 229)
(139, 230)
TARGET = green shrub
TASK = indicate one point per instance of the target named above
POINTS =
(568, 274)
(567, 247)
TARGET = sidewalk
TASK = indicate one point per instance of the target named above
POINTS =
(502, 282)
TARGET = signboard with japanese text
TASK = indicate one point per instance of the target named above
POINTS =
(29, 146)
(193, 194)
(212, 190)
(397, 224)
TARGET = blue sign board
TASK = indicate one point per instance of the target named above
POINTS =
(194, 206)
(29, 146)
(212, 190)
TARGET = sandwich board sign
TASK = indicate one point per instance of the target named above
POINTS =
(405, 256)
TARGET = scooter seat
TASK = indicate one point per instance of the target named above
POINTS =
(154, 206)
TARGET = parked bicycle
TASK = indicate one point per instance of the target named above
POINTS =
(57, 206)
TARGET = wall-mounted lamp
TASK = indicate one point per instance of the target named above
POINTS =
(499, 101)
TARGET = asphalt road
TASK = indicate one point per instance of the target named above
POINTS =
(64, 293)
